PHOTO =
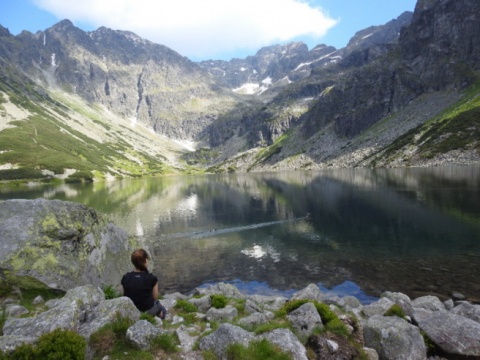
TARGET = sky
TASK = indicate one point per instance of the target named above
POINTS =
(211, 29)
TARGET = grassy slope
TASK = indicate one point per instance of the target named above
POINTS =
(61, 132)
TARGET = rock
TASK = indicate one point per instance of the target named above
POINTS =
(38, 300)
(379, 307)
(272, 303)
(142, 333)
(16, 310)
(287, 342)
(228, 313)
(62, 243)
(401, 300)
(223, 337)
(176, 296)
(332, 347)
(11, 342)
(468, 310)
(457, 296)
(83, 309)
(256, 319)
(371, 353)
(187, 341)
(311, 292)
(252, 307)
(203, 304)
(453, 333)
(305, 319)
(394, 338)
(449, 305)
(227, 290)
(428, 302)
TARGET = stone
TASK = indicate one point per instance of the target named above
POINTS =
(311, 292)
(467, 310)
(187, 341)
(228, 313)
(256, 319)
(394, 338)
(428, 302)
(449, 304)
(252, 307)
(16, 310)
(203, 304)
(457, 296)
(400, 299)
(227, 290)
(378, 307)
(272, 303)
(62, 244)
(371, 353)
(38, 300)
(142, 333)
(287, 342)
(9, 343)
(305, 319)
(223, 337)
(331, 347)
(453, 333)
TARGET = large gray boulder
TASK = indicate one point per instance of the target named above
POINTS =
(223, 337)
(287, 342)
(394, 338)
(83, 309)
(142, 333)
(454, 334)
(305, 319)
(62, 244)
(311, 292)
(468, 310)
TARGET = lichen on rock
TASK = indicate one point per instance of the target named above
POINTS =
(63, 244)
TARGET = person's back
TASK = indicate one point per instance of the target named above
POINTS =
(142, 287)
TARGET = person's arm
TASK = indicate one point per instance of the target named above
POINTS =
(155, 291)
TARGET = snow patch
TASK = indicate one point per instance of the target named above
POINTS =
(267, 81)
(242, 69)
(53, 60)
(187, 144)
(247, 88)
(367, 36)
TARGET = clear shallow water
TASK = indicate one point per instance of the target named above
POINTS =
(353, 232)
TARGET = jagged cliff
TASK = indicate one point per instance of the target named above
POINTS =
(286, 107)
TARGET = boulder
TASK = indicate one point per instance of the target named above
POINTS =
(142, 333)
(468, 310)
(311, 292)
(379, 307)
(228, 313)
(9, 343)
(394, 338)
(332, 347)
(62, 244)
(305, 319)
(256, 319)
(223, 337)
(428, 302)
(453, 333)
(272, 303)
(287, 342)
(227, 290)
(186, 337)
(401, 300)
(203, 304)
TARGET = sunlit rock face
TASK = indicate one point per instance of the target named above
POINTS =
(63, 244)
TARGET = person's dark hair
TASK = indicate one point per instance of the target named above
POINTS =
(139, 259)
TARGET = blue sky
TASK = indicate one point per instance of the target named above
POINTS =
(211, 29)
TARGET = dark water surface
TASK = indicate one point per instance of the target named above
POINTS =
(357, 231)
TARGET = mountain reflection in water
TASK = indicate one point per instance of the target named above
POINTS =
(362, 231)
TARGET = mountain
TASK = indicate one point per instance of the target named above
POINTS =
(108, 103)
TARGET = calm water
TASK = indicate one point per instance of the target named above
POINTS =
(356, 231)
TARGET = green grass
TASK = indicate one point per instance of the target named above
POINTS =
(256, 350)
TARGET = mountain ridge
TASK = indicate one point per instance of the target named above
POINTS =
(286, 107)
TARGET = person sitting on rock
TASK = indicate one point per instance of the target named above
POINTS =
(141, 286)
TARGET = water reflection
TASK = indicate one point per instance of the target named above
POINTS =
(361, 231)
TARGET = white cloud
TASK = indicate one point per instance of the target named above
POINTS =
(200, 28)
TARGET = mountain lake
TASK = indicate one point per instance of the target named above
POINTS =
(350, 231)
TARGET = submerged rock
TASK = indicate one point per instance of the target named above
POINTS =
(62, 244)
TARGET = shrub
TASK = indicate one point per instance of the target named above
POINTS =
(167, 342)
(324, 311)
(61, 345)
(256, 350)
(57, 345)
(185, 306)
(395, 310)
(110, 292)
(112, 335)
(218, 301)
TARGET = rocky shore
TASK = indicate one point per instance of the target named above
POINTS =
(300, 326)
